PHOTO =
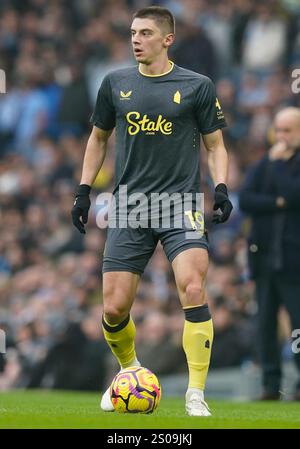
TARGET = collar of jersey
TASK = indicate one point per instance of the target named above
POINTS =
(160, 74)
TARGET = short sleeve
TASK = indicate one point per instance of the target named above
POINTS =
(104, 115)
(208, 110)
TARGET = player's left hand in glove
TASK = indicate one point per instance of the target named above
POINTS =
(223, 203)
(81, 207)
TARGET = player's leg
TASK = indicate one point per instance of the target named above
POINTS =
(119, 289)
(190, 269)
(127, 252)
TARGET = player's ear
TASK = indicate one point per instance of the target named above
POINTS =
(169, 39)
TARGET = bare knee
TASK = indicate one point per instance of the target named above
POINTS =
(119, 289)
(116, 306)
(114, 314)
(194, 293)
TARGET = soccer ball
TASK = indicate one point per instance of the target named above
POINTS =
(135, 390)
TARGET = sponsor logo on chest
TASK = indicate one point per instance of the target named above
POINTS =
(144, 124)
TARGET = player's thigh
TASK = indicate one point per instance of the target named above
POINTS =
(188, 253)
(190, 269)
(119, 291)
(127, 252)
(128, 249)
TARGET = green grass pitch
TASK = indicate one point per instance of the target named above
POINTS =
(72, 410)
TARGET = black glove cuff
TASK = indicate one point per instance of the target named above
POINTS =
(83, 190)
(221, 188)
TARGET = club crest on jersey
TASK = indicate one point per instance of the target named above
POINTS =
(125, 96)
(138, 123)
(177, 97)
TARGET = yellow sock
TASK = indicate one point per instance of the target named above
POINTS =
(197, 342)
(120, 338)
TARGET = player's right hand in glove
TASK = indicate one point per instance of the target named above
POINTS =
(223, 203)
(81, 207)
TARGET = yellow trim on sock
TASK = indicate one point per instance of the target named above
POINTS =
(109, 324)
(192, 307)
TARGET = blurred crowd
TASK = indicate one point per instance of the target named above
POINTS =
(55, 54)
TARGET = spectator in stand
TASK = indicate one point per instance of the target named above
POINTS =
(270, 195)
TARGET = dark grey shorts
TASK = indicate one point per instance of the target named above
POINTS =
(130, 249)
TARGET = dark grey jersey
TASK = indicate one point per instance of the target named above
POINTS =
(158, 121)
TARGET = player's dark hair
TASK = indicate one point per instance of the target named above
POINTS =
(162, 16)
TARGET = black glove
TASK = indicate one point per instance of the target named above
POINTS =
(81, 207)
(221, 202)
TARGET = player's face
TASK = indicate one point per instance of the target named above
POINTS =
(287, 130)
(148, 41)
